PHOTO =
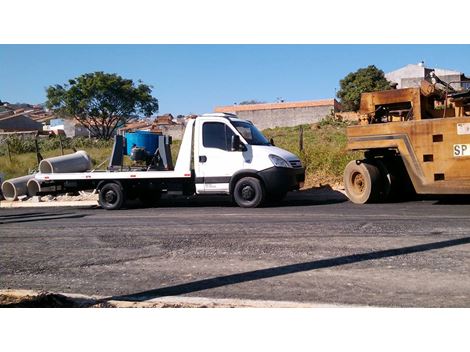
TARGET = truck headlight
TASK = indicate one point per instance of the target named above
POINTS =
(278, 161)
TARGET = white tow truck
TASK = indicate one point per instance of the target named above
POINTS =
(219, 154)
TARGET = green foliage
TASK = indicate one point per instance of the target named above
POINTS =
(369, 79)
(101, 101)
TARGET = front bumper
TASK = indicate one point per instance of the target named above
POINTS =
(282, 179)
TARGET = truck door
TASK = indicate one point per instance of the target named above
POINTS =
(217, 163)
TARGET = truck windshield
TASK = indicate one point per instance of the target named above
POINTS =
(251, 134)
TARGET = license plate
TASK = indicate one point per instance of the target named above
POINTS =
(461, 150)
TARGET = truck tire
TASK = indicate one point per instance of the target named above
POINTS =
(248, 192)
(111, 196)
(362, 182)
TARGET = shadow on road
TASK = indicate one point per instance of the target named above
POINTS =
(29, 217)
(11, 216)
(312, 196)
(284, 270)
(449, 199)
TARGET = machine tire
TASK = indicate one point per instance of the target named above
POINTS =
(362, 182)
(248, 192)
(111, 196)
(385, 181)
(401, 186)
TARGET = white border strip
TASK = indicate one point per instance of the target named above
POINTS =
(233, 22)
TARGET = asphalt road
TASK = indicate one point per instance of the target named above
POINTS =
(314, 247)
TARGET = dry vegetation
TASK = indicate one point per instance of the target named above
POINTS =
(324, 154)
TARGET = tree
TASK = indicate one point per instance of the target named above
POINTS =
(101, 101)
(369, 79)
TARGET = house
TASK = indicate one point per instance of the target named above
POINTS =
(411, 75)
(70, 127)
(283, 114)
(166, 119)
(163, 124)
(135, 125)
(168, 125)
(18, 121)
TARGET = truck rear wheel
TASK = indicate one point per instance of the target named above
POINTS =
(111, 196)
(248, 192)
(362, 182)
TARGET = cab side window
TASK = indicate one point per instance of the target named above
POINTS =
(216, 135)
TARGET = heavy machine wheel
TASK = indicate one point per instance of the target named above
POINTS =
(111, 196)
(362, 181)
(385, 181)
(248, 192)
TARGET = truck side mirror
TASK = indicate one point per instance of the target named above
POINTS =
(272, 142)
(235, 146)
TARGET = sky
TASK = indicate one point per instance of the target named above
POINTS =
(196, 78)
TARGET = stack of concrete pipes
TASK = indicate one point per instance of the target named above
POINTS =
(28, 185)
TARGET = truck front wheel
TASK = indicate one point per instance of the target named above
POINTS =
(362, 182)
(248, 192)
(111, 196)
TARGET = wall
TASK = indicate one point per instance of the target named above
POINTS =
(285, 117)
(72, 129)
(175, 131)
(407, 72)
(416, 82)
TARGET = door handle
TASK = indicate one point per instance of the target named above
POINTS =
(202, 158)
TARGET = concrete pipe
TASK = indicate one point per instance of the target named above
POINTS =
(34, 186)
(16, 187)
(76, 162)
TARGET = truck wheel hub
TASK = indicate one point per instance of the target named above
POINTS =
(248, 192)
(110, 197)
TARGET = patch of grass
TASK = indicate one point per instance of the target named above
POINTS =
(26, 163)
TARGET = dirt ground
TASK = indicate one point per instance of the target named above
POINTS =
(43, 299)
(18, 299)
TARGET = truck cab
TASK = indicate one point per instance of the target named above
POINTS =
(231, 156)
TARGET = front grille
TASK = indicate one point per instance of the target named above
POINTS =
(295, 163)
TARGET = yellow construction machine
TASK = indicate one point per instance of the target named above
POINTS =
(415, 140)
